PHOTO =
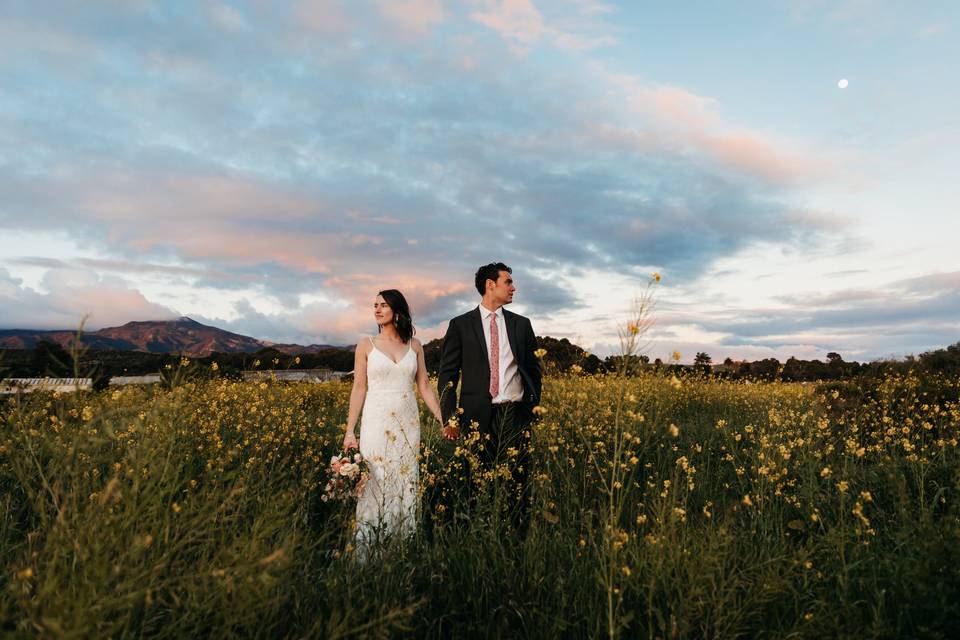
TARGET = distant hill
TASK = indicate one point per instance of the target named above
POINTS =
(184, 335)
(299, 349)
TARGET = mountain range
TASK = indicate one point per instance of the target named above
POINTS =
(184, 335)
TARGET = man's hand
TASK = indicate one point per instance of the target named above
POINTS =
(450, 431)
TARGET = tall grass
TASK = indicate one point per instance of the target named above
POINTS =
(664, 507)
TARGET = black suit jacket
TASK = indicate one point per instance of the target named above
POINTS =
(465, 360)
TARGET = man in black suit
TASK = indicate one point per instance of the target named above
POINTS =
(490, 352)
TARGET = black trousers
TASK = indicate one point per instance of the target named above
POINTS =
(505, 450)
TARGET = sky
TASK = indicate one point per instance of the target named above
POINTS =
(787, 167)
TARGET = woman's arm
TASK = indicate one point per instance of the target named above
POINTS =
(423, 383)
(358, 393)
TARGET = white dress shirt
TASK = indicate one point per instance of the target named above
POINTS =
(511, 387)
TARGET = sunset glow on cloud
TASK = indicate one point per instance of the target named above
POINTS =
(267, 168)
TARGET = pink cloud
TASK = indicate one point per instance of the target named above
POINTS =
(651, 116)
(516, 20)
(523, 25)
(751, 154)
(226, 17)
(240, 221)
(125, 196)
(422, 291)
(593, 7)
(346, 324)
(297, 250)
(413, 17)
(71, 295)
(675, 105)
(321, 16)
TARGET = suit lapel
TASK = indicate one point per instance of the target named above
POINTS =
(514, 336)
(476, 321)
(511, 321)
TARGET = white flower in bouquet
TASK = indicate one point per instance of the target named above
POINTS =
(346, 475)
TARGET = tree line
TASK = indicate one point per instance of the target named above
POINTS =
(49, 359)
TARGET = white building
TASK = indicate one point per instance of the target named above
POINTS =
(26, 385)
(150, 378)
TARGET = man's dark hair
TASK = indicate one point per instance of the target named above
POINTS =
(489, 272)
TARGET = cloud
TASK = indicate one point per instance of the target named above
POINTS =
(932, 30)
(867, 20)
(523, 25)
(901, 317)
(72, 296)
(516, 20)
(676, 119)
(329, 149)
(120, 266)
(413, 17)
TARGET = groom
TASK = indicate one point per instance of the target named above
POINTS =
(490, 351)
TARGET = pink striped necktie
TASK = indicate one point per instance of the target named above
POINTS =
(494, 357)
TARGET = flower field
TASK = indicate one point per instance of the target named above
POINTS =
(663, 507)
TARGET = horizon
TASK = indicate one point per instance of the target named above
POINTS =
(787, 167)
(269, 343)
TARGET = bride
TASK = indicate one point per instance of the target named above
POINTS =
(385, 370)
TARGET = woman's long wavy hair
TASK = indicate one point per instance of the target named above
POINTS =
(401, 313)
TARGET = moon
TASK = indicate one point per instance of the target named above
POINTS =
(843, 83)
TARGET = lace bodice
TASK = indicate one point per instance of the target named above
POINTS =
(383, 374)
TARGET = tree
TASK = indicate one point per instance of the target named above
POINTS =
(565, 354)
(97, 372)
(629, 364)
(50, 359)
(431, 355)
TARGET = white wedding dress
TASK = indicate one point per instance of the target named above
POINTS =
(390, 443)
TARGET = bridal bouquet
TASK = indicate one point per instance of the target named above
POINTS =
(347, 476)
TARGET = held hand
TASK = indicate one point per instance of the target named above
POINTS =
(450, 431)
(350, 441)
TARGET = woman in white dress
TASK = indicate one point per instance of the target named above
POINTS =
(385, 370)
